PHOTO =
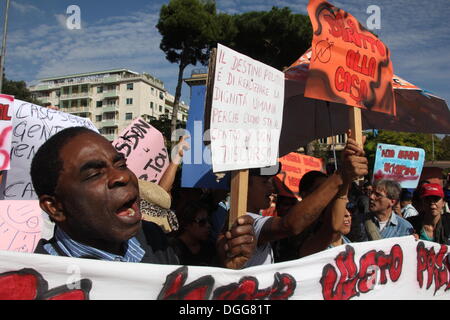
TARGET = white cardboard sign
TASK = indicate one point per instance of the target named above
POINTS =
(246, 112)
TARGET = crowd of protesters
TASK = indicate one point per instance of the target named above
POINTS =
(97, 205)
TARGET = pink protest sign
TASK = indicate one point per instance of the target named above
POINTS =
(20, 225)
(143, 146)
(6, 105)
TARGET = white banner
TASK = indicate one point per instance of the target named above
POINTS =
(32, 126)
(397, 268)
(246, 112)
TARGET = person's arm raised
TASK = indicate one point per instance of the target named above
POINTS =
(304, 213)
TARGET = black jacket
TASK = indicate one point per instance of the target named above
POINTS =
(152, 240)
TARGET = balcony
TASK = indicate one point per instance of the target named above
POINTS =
(111, 79)
(110, 108)
(73, 96)
(110, 94)
(109, 123)
(79, 110)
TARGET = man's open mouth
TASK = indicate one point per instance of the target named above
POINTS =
(130, 210)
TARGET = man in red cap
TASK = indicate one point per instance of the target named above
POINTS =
(431, 224)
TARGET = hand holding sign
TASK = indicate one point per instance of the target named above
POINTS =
(354, 162)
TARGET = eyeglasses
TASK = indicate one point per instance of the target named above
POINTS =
(432, 199)
(201, 222)
(377, 195)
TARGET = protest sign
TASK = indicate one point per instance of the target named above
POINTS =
(143, 146)
(395, 268)
(32, 126)
(197, 168)
(399, 163)
(293, 168)
(20, 225)
(349, 64)
(246, 112)
(6, 105)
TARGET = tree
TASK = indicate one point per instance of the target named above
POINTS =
(417, 140)
(276, 37)
(19, 90)
(189, 30)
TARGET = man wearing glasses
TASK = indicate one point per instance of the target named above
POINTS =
(381, 221)
(432, 224)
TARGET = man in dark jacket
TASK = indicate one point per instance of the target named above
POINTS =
(85, 186)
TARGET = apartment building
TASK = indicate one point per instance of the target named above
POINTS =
(111, 99)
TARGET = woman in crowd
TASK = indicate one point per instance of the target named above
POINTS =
(191, 241)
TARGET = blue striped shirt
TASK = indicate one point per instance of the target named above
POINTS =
(72, 248)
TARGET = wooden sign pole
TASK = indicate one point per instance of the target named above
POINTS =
(239, 190)
(355, 123)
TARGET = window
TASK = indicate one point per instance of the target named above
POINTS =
(99, 104)
(129, 86)
(99, 89)
(75, 89)
(98, 118)
(129, 116)
(161, 95)
(151, 105)
(160, 108)
(66, 90)
(129, 101)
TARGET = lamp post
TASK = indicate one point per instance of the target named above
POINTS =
(5, 30)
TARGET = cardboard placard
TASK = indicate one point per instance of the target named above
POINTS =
(349, 64)
(246, 112)
(20, 225)
(6, 105)
(32, 126)
(399, 163)
(293, 168)
(143, 146)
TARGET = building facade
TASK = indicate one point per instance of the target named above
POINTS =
(111, 99)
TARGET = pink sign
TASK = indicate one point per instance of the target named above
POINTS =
(143, 146)
(20, 225)
(6, 105)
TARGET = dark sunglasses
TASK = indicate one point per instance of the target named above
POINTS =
(201, 222)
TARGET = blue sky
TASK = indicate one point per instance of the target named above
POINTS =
(122, 34)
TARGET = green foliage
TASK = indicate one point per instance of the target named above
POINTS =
(276, 37)
(188, 30)
(417, 140)
(18, 89)
(163, 124)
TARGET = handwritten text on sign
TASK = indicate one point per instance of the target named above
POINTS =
(143, 146)
(20, 225)
(349, 64)
(246, 112)
(399, 163)
(394, 268)
(6, 105)
(32, 126)
(293, 168)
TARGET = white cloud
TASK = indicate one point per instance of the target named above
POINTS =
(24, 8)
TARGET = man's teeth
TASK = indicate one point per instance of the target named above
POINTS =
(131, 212)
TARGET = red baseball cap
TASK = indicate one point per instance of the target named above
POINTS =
(431, 189)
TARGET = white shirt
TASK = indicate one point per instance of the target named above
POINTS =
(263, 254)
(409, 211)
